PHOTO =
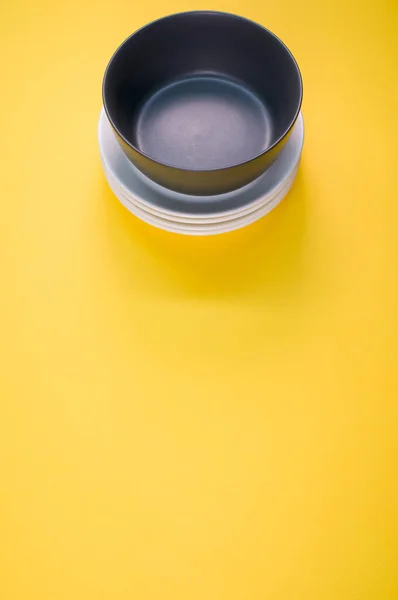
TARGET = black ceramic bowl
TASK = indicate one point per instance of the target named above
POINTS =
(202, 102)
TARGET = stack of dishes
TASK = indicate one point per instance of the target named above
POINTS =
(201, 131)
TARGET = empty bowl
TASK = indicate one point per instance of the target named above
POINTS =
(202, 102)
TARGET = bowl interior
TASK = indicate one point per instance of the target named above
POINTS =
(202, 90)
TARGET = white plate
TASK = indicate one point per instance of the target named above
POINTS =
(198, 228)
(186, 221)
(190, 220)
(173, 205)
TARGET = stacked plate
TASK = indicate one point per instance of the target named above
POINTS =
(192, 214)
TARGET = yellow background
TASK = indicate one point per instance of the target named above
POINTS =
(198, 418)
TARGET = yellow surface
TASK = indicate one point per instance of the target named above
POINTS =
(198, 418)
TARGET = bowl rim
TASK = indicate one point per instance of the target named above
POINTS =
(202, 12)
